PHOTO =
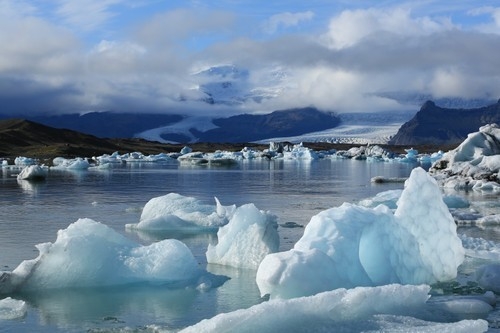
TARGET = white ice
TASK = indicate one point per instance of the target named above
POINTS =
(24, 161)
(90, 254)
(390, 308)
(250, 235)
(351, 246)
(77, 163)
(12, 309)
(33, 172)
(177, 212)
(475, 160)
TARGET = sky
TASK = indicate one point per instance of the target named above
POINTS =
(77, 56)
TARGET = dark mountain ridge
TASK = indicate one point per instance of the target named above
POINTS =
(438, 125)
(250, 127)
(235, 129)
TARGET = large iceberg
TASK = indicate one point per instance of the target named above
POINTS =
(350, 246)
(250, 235)
(90, 254)
(402, 309)
(177, 212)
(474, 162)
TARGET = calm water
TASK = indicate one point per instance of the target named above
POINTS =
(32, 214)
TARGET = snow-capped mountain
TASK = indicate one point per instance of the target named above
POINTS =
(231, 85)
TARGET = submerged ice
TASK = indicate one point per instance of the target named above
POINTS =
(351, 245)
(90, 254)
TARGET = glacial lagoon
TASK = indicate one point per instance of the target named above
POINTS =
(31, 213)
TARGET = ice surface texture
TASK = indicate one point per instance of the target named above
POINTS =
(177, 212)
(379, 309)
(475, 163)
(90, 254)
(351, 246)
(12, 308)
(249, 236)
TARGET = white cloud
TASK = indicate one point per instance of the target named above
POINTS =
(86, 15)
(352, 26)
(359, 54)
(286, 20)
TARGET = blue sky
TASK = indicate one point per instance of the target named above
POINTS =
(346, 56)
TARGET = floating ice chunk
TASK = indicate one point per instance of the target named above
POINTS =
(476, 158)
(464, 307)
(488, 277)
(299, 152)
(486, 186)
(177, 212)
(388, 198)
(387, 308)
(489, 220)
(366, 247)
(250, 235)
(73, 163)
(12, 309)
(186, 150)
(90, 254)
(33, 172)
(455, 201)
(480, 248)
(24, 161)
(381, 179)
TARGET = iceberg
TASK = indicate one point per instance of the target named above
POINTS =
(351, 245)
(78, 163)
(249, 236)
(475, 160)
(403, 309)
(174, 212)
(33, 172)
(90, 254)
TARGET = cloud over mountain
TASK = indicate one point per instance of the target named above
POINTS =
(140, 56)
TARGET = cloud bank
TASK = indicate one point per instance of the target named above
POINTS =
(349, 64)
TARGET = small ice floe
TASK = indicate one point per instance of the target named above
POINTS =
(209, 159)
(351, 246)
(24, 161)
(90, 254)
(33, 172)
(299, 152)
(78, 163)
(175, 212)
(488, 277)
(250, 235)
(391, 308)
(108, 159)
(12, 308)
(382, 180)
(291, 225)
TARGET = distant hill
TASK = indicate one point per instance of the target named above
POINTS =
(107, 124)
(20, 137)
(437, 125)
(235, 129)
